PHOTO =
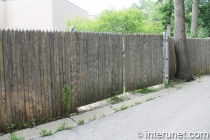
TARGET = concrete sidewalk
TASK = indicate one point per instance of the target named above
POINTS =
(105, 110)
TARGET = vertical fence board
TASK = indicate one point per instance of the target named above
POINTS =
(208, 54)
(73, 73)
(13, 84)
(29, 78)
(204, 56)
(104, 56)
(83, 68)
(2, 80)
(141, 61)
(41, 74)
(32, 62)
(53, 45)
(7, 59)
(26, 75)
(87, 86)
(45, 97)
(78, 82)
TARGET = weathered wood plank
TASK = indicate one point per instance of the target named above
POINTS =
(44, 76)
(33, 106)
(2, 80)
(105, 57)
(141, 61)
(73, 72)
(52, 90)
(25, 76)
(29, 77)
(13, 84)
(65, 57)
(62, 70)
(100, 66)
(82, 67)
(85, 68)
(204, 55)
(8, 68)
(208, 53)
(58, 73)
(78, 70)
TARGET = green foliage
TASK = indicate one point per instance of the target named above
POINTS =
(64, 126)
(169, 84)
(150, 98)
(93, 118)
(199, 75)
(24, 124)
(66, 97)
(130, 20)
(15, 137)
(144, 89)
(123, 107)
(204, 11)
(116, 99)
(80, 122)
(166, 9)
(137, 103)
(45, 132)
(10, 126)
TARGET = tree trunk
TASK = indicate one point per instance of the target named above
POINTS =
(194, 22)
(183, 65)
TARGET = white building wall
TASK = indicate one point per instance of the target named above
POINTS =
(29, 14)
(2, 14)
(63, 10)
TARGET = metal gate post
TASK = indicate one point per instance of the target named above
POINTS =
(165, 59)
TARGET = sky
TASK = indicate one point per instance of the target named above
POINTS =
(95, 7)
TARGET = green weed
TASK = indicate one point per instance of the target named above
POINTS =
(80, 122)
(93, 118)
(150, 98)
(123, 107)
(24, 124)
(169, 84)
(45, 132)
(66, 98)
(10, 126)
(116, 99)
(15, 137)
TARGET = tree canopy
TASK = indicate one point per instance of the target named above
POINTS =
(147, 16)
(130, 20)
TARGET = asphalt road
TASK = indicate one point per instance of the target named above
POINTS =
(183, 111)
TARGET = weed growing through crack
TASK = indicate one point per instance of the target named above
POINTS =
(45, 132)
(169, 84)
(150, 98)
(80, 122)
(137, 103)
(178, 87)
(64, 126)
(116, 99)
(123, 107)
(66, 98)
(93, 118)
(15, 137)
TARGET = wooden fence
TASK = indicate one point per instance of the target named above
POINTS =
(144, 61)
(198, 51)
(35, 65)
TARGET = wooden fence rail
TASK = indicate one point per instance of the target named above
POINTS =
(35, 66)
